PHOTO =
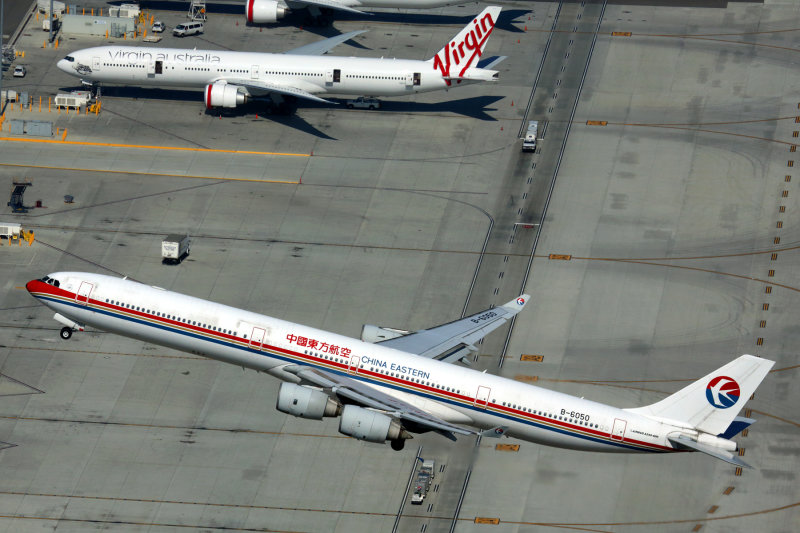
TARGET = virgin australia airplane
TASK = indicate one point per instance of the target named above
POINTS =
(393, 383)
(265, 11)
(231, 78)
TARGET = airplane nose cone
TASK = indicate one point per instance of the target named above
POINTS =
(63, 64)
(31, 285)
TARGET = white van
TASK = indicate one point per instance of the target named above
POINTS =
(187, 28)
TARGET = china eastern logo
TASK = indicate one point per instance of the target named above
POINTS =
(520, 301)
(722, 392)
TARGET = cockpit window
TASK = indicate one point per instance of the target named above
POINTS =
(70, 59)
(51, 281)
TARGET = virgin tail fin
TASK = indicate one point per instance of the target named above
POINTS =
(465, 49)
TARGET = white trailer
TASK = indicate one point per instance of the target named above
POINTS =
(174, 249)
(529, 141)
(76, 99)
(10, 230)
(124, 11)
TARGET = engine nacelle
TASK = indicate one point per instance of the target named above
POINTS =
(262, 11)
(373, 334)
(306, 402)
(221, 94)
(370, 426)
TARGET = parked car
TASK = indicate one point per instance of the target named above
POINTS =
(364, 102)
(158, 27)
(20, 71)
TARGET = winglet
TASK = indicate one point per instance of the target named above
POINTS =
(517, 304)
(495, 432)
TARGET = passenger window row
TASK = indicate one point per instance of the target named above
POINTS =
(171, 317)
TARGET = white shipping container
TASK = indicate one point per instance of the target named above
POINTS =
(175, 248)
(10, 229)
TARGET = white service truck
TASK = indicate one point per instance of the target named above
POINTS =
(529, 141)
(423, 482)
(174, 249)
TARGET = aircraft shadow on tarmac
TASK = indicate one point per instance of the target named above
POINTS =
(476, 107)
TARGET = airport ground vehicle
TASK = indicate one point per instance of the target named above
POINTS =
(188, 28)
(364, 102)
(20, 71)
(158, 27)
(175, 248)
(529, 141)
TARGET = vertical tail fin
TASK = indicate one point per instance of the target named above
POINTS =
(711, 404)
(465, 49)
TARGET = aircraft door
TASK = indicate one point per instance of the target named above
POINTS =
(96, 63)
(482, 396)
(159, 67)
(618, 432)
(254, 72)
(151, 68)
(409, 80)
(417, 78)
(355, 361)
(84, 291)
(257, 338)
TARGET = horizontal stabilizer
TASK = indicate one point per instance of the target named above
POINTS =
(738, 425)
(491, 62)
(688, 444)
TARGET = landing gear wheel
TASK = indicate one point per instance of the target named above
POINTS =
(66, 333)
(398, 444)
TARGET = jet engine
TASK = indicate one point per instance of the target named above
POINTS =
(220, 94)
(262, 11)
(306, 402)
(372, 426)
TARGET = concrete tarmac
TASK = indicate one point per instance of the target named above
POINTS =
(666, 251)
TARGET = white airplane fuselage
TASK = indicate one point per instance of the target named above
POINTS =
(453, 393)
(320, 75)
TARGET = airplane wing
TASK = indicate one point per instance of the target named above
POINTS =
(354, 390)
(330, 4)
(262, 87)
(455, 340)
(321, 47)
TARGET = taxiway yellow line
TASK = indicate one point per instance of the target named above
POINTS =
(151, 147)
(161, 174)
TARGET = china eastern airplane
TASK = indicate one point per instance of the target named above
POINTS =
(267, 11)
(393, 383)
(231, 78)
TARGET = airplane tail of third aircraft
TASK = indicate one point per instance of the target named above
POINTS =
(711, 403)
(464, 50)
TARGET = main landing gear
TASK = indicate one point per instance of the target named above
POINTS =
(66, 333)
(398, 444)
